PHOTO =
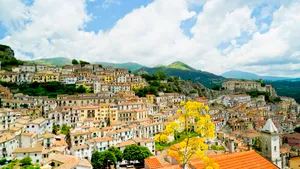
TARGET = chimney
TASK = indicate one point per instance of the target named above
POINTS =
(231, 145)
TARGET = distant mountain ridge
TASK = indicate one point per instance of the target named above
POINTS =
(177, 65)
(56, 61)
(132, 66)
(61, 61)
(179, 69)
(186, 72)
(251, 76)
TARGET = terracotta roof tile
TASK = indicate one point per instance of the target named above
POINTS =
(244, 160)
(153, 163)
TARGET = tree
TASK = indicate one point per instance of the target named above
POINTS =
(75, 62)
(161, 75)
(297, 129)
(26, 161)
(30, 167)
(257, 143)
(101, 160)
(83, 63)
(216, 87)
(134, 152)
(81, 89)
(2, 161)
(193, 119)
(117, 152)
(161, 138)
(55, 129)
(65, 129)
(277, 100)
(24, 105)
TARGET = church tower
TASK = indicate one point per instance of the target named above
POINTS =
(270, 143)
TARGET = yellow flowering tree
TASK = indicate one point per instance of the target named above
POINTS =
(195, 119)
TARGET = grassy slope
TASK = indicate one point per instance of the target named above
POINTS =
(58, 61)
(285, 88)
(206, 78)
(129, 65)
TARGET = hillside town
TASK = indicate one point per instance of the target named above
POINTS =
(247, 126)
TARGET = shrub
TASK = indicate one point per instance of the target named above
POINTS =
(26, 161)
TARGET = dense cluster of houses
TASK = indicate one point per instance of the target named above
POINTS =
(93, 77)
(115, 116)
(243, 123)
(98, 122)
(246, 85)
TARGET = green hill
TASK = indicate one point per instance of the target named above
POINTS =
(7, 58)
(57, 61)
(177, 65)
(287, 88)
(185, 72)
(60, 61)
(181, 66)
(129, 65)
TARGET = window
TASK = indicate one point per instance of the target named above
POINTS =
(275, 148)
(37, 161)
(35, 154)
(24, 153)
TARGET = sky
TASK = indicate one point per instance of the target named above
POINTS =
(259, 36)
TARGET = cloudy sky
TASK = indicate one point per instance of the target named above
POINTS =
(260, 36)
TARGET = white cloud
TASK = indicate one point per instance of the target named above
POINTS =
(13, 14)
(223, 20)
(152, 35)
(108, 3)
(275, 47)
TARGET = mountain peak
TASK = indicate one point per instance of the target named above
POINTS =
(180, 65)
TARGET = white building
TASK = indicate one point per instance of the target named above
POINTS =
(39, 126)
(25, 77)
(69, 80)
(101, 143)
(114, 88)
(8, 143)
(66, 162)
(27, 140)
(270, 143)
(146, 142)
(27, 68)
(97, 87)
(121, 135)
(35, 153)
(149, 130)
(82, 151)
(121, 79)
(7, 118)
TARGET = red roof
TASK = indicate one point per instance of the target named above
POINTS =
(153, 163)
(239, 160)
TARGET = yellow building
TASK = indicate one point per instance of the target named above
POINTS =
(46, 76)
(102, 112)
(8, 76)
(83, 73)
(132, 115)
(294, 162)
(34, 113)
(150, 98)
(137, 85)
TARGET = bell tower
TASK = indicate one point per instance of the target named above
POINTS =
(270, 143)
